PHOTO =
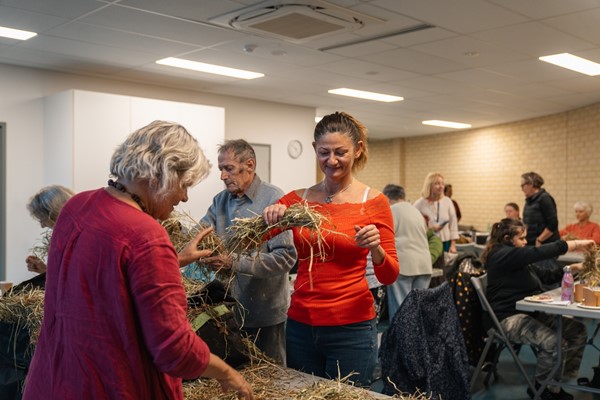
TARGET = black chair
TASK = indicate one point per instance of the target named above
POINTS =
(497, 336)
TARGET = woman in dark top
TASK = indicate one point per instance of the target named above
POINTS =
(513, 275)
(539, 213)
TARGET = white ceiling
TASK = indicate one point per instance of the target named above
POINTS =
(430, 68)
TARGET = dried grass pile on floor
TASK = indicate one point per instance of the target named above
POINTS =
(24, 309)
(590, 272)
(246, 235)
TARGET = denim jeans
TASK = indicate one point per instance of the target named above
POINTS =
(333, 351)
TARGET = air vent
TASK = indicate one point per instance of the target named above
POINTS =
(294, 22)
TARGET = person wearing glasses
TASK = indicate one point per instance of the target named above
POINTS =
(539, 213)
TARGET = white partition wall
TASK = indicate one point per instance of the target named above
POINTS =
(83, 128)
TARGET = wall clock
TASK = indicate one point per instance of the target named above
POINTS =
(294, 148)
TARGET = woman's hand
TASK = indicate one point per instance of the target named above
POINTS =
(576, 267)
(453, 247)
(224, 261)
(574, 245)
(236, 382)
(190, 252)
(272, 214)
(228, 378)
(367, 236)
(35, 264)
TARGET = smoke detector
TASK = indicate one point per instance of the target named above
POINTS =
(296, 22)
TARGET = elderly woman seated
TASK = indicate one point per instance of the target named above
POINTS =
(583, 228)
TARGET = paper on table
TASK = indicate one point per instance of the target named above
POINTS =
(560, 302)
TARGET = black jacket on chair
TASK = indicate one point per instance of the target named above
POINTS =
(423, 349)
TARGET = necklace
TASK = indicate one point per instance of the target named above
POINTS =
(329, 198)
(119, 186)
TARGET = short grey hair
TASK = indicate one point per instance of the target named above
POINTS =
(241, 149)
(582, 205)
(47, 203)
(162, 152)
(394, 192)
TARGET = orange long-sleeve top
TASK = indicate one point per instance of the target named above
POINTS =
(333, 290)
(590, 230)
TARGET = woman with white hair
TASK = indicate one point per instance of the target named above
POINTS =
(115, 322)
(583, 228)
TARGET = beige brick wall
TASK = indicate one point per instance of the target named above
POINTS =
(484, 165)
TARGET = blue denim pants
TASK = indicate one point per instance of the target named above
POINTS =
(319, 349)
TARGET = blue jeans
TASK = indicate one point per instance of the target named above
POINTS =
(319, 349)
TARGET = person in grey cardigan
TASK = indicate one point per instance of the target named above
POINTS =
(260, 282)
(412, 247)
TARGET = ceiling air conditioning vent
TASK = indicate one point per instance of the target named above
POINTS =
(294, 22)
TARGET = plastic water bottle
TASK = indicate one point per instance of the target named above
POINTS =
(566, 289)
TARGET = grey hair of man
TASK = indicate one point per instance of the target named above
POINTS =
(164, 153)
(241, 149)
(47, 203)
(585, 207)
(394, 192)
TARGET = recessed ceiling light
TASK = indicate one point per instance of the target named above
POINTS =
(209, 68)
(365, 95)
(574, 63)
(16, 33)
(446, 124)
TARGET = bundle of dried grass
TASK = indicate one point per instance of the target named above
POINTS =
(590, 272)
(24, 309)
(182, 228)
(40, 249)
(246, 235)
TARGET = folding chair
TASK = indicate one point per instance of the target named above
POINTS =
(496, 335)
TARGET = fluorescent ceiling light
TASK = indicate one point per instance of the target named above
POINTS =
(446, 124)
(365, 95)
(573, 63)
(210, 68)
(16, 33)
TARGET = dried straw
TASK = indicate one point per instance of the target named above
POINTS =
(182, 228)
(247, 235)
(24, 309)
(271, 382)
(590, 272)
(40, 249)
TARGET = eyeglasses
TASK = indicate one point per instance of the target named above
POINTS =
(523, 184)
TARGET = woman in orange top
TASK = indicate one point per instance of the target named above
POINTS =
(583, 229)
(331, 328)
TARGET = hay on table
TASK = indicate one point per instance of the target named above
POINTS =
(24, 309)
(590, 272)
(270, 382)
